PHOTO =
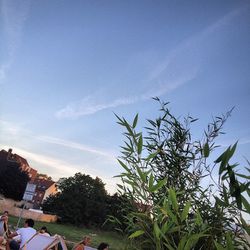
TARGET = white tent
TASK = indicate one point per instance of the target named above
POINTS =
(43, 242)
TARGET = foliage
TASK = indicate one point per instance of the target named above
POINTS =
(13, 180)
(81, 200)
(117, 207)
(162, 178)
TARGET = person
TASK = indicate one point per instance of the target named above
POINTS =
(5, 214)
(4, 223)
(25, 234)
(2, 241)
(103, 246)
(85, 242)
(44, 231)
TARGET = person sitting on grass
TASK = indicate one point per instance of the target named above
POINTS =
(4, 223)
(85, 242)
(1, 240)
(4, 229)
(25, 234)
(103, 246)
(44, 231)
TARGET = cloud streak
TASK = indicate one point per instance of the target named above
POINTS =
(181, 65)
(69, 144)
(15, 131)
(13, 15)
(87, 106)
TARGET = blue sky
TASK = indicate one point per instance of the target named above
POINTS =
(67, 66)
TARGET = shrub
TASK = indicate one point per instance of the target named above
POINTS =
(162, 180)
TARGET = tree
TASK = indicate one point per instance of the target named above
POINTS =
(82, 200)
(13, 180)
(163, 172)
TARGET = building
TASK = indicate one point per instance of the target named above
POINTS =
(44, 188)
(24, 165)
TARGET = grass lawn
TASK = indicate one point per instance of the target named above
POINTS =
(75, 234)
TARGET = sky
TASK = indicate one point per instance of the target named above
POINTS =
(67, 66)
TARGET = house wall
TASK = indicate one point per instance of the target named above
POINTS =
(51, 190)
(10, 205)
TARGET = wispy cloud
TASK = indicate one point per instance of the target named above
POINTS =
(13, 15)
(65, 143)
(88, 106)
(181, 65)
(17, 131)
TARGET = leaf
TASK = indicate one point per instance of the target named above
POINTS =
(139, 145)
(157, 231)
(219, 202)
(198, 219)
(128, 127)
(232, 150)
(151, 181)
(174, 229)
(194, 120)
(219, 246)
(243, 176)
(245, 203)
(120, 186)
(206, 150)
(136, 234)
(120, 175)
(171, 215)
(143, 176)
(172, 198)
(120, 120)
(193, 240)
(152, 123)
(135, 121)
(152, 155)
(245, 225)
(225, 157)
(229, 242)
(225, 196)
(124, 166)
(169, 247)
(185, 211)
(182, 243)
(158, 185)
(166, 226)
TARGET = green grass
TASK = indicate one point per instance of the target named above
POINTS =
(75, 234)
